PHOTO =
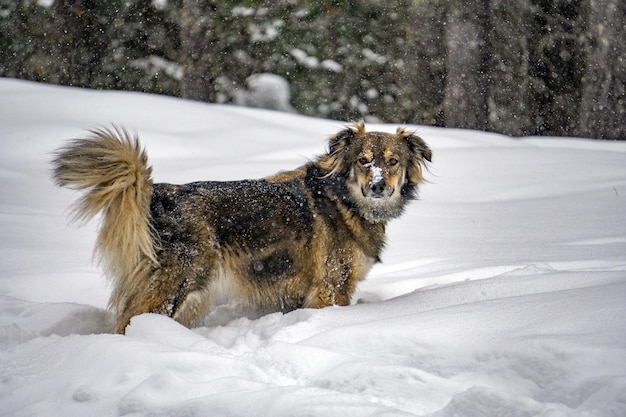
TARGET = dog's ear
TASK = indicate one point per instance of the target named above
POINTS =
(420, 153)
(340, 141)
(334, 162)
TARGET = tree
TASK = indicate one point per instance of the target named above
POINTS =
(603, 104)
(24, 52)
(82, 32)
(510, 99)
(198, 44)
(557, 61)
(465, 103)
(530, 67)
(423, 55)
(125, 45)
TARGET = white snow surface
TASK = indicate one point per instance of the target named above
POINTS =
(502, 291)
(375, 171)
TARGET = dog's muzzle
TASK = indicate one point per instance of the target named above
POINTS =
(378, 189)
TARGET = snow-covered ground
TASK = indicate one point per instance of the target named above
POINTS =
(502, 292)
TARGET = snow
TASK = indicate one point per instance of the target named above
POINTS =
(304, 59)
(156, 64)
(502, 292)
(376, 172)
(266, 91)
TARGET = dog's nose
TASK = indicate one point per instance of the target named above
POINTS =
(378, 188)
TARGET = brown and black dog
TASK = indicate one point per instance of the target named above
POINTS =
(301, 238)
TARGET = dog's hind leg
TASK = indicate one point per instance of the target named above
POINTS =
(192, 307)
(147, 290)
(159, 290)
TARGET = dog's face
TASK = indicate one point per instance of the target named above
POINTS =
(381, 170)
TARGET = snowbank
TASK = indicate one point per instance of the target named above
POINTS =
(501, 293)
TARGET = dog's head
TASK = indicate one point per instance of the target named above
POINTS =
(381, 170)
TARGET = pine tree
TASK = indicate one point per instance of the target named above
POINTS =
(199, 53)
(510, 99)
(603, 106)
(465, 103)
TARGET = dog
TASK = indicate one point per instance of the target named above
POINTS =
(297, 239)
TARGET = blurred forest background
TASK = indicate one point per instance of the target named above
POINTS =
(524, 67)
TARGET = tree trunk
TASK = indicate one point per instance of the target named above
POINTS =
(603, 104)
(510, 101)
(465, 102)
(197, 33)
(422, 79)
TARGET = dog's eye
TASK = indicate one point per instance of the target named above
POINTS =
(392, 162)
(363, 161)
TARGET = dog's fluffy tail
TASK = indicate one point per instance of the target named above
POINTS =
(112, 169)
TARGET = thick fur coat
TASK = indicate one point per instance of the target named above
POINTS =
(301, 238)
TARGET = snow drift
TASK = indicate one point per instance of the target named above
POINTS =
(502, 292)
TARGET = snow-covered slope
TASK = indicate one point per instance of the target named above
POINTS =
(502, 292)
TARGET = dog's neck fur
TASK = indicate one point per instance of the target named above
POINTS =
(342, 211)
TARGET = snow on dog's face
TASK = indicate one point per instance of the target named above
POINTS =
(381, 170)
